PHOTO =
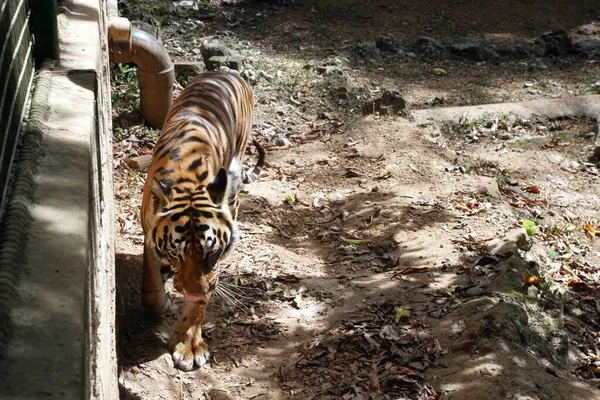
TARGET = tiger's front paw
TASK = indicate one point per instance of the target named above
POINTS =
(186, 354)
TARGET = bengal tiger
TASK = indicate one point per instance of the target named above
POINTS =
(190, 202)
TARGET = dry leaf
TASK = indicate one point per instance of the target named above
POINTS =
(591, 231)
(532, 279)
(532, 189)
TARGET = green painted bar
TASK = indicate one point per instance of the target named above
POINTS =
(16, 72)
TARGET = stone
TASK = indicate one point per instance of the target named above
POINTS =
(189, 68)
(429, 48)
(231, 62)
(488, 186)
(537, 65)
(474, 291)
(588, 48)
(389, 44)
(390, 103)
(514, 50)
(211, 48)
(589, 29)
(366, 50)
(537, 47)
(558, 42)
(473, 49)
(186, 3)
(330, 70)
(515, 239)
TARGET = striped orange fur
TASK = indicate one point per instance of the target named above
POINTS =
(190, 202)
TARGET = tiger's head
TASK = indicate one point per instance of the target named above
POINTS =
(191, 229)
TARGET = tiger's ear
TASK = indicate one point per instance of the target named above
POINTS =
(218, 187)
(161, 191)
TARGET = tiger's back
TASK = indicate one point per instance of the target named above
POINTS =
(211, 119)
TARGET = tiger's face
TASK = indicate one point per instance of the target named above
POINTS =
(192, 232)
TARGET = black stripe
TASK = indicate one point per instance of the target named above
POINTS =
(207, 109)
(166, 140)
(178, 215)
(202, 176)
(195, 164)
(176, 207)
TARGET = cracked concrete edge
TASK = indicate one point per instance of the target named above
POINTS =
(101, 368)
(571, 107)
(17, 217)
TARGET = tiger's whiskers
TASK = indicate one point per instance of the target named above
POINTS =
(230, 297)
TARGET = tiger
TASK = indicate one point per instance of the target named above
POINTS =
(190, 202)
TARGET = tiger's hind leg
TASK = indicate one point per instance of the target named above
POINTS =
(154, 297)
(187, 346)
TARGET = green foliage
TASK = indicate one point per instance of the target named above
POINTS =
(529, 226)
(125, 95)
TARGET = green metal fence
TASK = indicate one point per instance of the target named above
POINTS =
(21, 21)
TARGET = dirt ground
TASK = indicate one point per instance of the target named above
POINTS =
(381, 259)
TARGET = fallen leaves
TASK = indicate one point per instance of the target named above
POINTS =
(532, 279)
(369, 353)
(590, 230)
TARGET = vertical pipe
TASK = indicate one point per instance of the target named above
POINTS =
(156, 73)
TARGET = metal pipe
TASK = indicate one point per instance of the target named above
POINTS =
(156, 73)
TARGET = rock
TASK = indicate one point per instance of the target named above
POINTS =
(366, 50)
(148, 28)
(328, 70)
(474, 291)
(595, 157)
(515, 239)
(341, 93)
(219, 394)
(558, 42)
(231, 62)
(450, 154)
(537, 65)
(520, 49)
(429, 48)
(211, 48)
(488, 186)
(282, 142)
(589, 48)
(390, 103)
(389, 44)
(189, 68)
(511, 50)
(473, 49)
(537, 47)
(588, 135)
(186, 4)
(203, 15)
(589, 29)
